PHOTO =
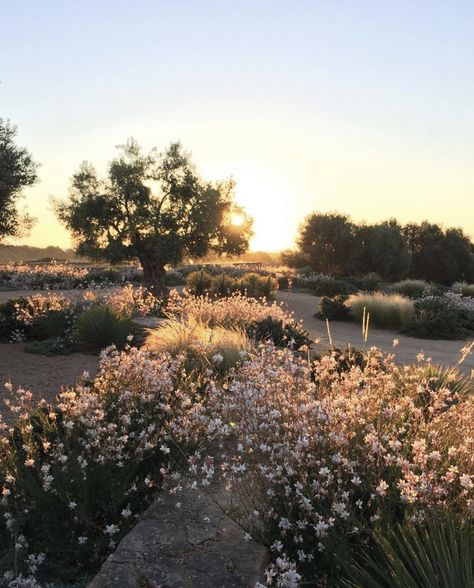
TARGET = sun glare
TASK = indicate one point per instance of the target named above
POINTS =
(237, 219)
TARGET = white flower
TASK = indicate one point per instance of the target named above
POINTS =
(111, 529)
(217, 358)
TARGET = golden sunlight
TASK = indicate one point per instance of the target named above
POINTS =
(237, 219)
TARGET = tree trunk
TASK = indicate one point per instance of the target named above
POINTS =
(154, 274)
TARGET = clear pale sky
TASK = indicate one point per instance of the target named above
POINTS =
(360, 106)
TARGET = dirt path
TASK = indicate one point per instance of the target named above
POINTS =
(305, 305)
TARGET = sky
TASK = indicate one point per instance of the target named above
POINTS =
(364, 107)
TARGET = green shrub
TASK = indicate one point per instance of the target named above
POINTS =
(52, 346)
(440, 317)
(463, 288)
(334, 309)
(8, 321)
(102, 326)
(411, 288)
(280, 334)
(53, 325)
(390, 311)
(369, 282)
(332, 288)
(433, 554)
(198, 283)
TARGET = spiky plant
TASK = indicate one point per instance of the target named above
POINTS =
(102, 326)
(198, 283)
(434, 554)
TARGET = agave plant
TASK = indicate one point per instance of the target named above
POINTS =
(434, 554)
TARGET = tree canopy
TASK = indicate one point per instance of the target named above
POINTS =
(332, 243)
(17, 171)
(155, 208)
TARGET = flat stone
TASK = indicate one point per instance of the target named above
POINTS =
(194, 546)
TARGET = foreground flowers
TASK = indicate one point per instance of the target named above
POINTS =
(320, 457)
(317, 456)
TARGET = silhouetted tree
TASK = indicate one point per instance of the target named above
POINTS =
(328, 241)
(154, 208)
(438, 255)
(382, 249)
(17, 171)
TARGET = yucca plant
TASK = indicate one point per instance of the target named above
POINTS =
(434, 554)
(198, 283)
(101, 326)
(434, 378)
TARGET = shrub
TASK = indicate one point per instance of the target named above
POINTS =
(436, 553)
(368, 282)
(463, 288)
(203, 346)
(198, 283)
(54, 324)
(334, 309)
(411, 288)
(19, 318)
(77, 474)
(52, 346)
(222, 285)
(267, 286)
(391, 311)
(102, 326)
(321, 457)
(442, 317)
(280, 334)
(332, 288)
(235, 311)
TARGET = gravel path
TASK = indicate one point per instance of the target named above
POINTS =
(44, 376)
(305, 305)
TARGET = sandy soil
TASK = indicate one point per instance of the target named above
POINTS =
(443, 352)
(44, 376)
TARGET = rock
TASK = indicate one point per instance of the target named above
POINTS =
(193, 546)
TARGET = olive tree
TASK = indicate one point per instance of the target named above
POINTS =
(153, 208)
(17, 171)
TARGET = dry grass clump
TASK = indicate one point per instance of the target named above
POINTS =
(391, 311)
(411, 288)
(220, 347)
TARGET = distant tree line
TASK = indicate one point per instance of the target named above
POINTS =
(334, 244)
